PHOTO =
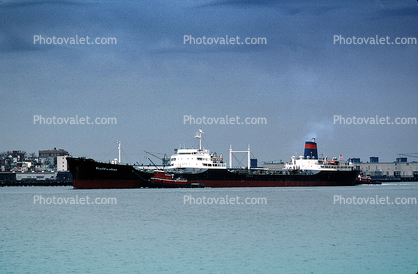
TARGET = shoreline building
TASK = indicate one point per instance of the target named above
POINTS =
(400, 169)
(48, 157)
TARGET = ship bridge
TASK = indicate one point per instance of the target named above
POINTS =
(196, 158)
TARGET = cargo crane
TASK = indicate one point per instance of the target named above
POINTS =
(164, 160)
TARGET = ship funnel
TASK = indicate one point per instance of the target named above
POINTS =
(311, 150)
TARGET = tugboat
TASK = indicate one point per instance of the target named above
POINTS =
(361, 179)
(164, 180)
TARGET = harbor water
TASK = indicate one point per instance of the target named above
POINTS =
(358, 229)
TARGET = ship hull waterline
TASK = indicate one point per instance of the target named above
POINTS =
(88, 174)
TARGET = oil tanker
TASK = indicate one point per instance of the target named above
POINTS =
(201, 168)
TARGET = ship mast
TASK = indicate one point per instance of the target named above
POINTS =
(199, 136)
(119, 151)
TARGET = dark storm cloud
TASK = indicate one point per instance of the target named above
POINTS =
(21, 20)
(404, 11)
(298, 80)
(242, 3)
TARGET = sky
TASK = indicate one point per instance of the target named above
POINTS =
(299, 80)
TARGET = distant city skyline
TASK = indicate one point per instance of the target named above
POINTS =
(297, 66)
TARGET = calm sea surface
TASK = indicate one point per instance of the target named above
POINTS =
(299, 230)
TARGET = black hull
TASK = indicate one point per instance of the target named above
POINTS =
(226, 178)
(87, 173)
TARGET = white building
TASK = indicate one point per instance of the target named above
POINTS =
(403, 169)
(62, 163)
(35, 176)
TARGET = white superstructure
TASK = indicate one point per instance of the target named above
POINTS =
(196, 158)
(317, 164)
(311, 162)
